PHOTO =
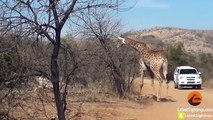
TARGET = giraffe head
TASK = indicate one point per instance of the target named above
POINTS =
(121, 41)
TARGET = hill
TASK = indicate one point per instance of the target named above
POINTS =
(194, 41)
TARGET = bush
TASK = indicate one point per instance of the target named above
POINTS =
(203, 61)
(9, 62)
(176, 56)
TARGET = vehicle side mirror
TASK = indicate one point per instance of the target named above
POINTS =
(176, 73)
(199, 73)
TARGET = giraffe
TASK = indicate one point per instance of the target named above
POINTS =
(152, 59)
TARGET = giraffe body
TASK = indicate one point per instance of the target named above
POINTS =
(153, 59)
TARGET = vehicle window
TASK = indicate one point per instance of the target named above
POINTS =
(188, 71)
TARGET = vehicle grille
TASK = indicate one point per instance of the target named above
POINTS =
(190, 82)
(190, 79)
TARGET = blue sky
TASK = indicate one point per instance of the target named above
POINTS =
(190, 14)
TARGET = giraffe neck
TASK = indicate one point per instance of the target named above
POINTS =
(139, 46)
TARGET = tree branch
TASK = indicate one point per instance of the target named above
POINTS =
(52, 4)
(67, 13)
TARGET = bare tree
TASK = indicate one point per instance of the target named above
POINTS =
(46, 18)
(104, 27)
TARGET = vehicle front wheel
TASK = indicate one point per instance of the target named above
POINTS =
(179, 87)
(194, 87)
(198, 86)
(176, 86)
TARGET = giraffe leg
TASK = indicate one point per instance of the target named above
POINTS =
(159, 91)
(157, 75)
(165, 69)
(153, 86)
(167, 89)
(142, 69)
(152, 81)
(142, 80)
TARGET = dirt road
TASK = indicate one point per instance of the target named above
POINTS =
(151, 110)
(169, 110)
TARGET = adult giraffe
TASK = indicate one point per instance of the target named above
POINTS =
(153, 59)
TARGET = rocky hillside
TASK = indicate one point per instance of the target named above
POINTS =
(194, 41)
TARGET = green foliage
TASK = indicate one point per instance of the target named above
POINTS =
(203, 61)
(177, 56)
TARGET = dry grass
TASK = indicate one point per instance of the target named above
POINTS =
(28, 104)
(94, 102)
(39, 105)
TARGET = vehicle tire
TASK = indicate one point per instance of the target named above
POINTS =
(194, 87)
(198, 86)
(176, 86)
(179, 86)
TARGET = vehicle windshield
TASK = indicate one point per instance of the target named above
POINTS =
(188, 71)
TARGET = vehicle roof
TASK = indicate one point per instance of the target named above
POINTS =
(185, 67)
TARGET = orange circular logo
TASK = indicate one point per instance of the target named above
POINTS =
(194, 98)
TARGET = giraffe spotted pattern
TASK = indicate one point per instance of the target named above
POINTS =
(153, 59)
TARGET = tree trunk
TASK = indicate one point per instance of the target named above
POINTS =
(118, 84)
(118, 78)
(119, 81)
(55, 78)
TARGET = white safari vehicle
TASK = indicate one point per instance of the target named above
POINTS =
(187, 76)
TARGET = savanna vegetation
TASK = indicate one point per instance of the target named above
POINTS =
(83, 68)
(85, 63)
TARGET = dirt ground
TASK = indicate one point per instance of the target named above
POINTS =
(107, 107)
(149, 109)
